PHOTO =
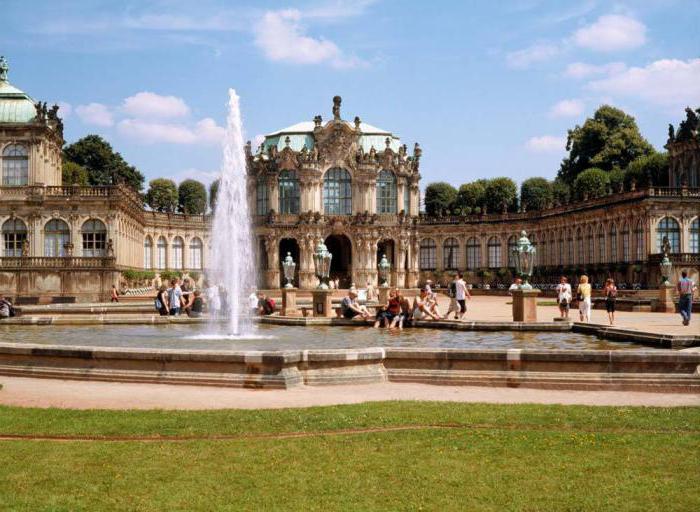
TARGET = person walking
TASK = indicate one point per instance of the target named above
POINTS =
(452, 294)
(114, 294)
(583, 294)
(462, 295)
(564, 297)
(685, 288)
(610, 291)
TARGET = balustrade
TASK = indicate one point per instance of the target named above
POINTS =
(57, 262)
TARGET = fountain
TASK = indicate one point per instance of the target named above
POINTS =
(232, 263)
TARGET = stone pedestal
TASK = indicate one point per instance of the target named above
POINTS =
(525, 305)
(665, 302)
(289, 302)
(383, 294)
(323, 305)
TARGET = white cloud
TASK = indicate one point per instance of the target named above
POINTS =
(583, 70)
(64, 109)
(281, 37)
(524, 58)
(205, 132)
(95, 113)
(567, 108)
(611, 32)
(546, 144)
(147, 104)
(669, 82)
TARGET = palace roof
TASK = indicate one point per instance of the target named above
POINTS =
(16, 106)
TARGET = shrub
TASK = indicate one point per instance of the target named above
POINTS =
(591, 183)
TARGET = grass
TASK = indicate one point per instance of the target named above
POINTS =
(493, 457)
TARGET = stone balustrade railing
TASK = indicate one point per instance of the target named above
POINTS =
(677, 259)
(57, 262)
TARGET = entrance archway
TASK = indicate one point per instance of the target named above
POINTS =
(289, 245)
(341, 264)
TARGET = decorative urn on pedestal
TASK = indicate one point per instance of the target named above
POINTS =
(322, 264)
(384, 271)
(665, 302)
(288, 267)
(525, 297)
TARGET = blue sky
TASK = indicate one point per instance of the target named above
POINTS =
(487, 88)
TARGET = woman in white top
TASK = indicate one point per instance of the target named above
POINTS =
(564, 297)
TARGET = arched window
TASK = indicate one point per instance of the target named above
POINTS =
(337, 192)
(639, 241)
(386, 192)
(601, 245)
(512, 245)
(289, 192)
(580, 253)
(94, 238)
(148, 253)
(196, 253)
(14, 233)
(694, 237)
(450, 254)
(15, 166)
(261, 206)
(161, 253)
(613, 244)
(590, 254)
(669, 227)
(178, 246)
(56, 237)
(428, 254)
(473, 253)
(625, 242)
(494, 251)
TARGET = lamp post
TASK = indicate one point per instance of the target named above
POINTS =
(384, 270)
(525, 297)
(288, 267)
(322, 264)
(524, 256)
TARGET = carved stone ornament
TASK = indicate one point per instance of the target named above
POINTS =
(337, 144)
(287, 160)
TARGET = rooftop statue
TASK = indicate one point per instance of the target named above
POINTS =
(357, 122)
(4, 68)
(336, 107)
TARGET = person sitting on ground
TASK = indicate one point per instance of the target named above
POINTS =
(515, 286)
(389, 311)
(174, 297)
(266, 306)
(161, 301)
(433, 304)
(6, 309)
(564, 297)
(421, 306)
(114, 294)
(194, 309)
(187, 296)
(350, 308)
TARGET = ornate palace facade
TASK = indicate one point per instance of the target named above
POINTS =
(350, 184)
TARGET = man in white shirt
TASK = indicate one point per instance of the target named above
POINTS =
(462, 293)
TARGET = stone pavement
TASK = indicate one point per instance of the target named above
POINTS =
(30, 392)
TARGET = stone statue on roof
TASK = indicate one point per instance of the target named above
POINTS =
(4, 68)
(336, 107)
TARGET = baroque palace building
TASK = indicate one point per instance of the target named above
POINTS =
(349, 184)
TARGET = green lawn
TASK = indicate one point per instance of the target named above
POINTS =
(493, 457)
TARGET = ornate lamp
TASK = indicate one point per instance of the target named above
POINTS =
(322, 263)
(665, 266)
(384, 269)
(288, 266)
(524, 255)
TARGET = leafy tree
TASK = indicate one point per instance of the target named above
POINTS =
(648, 170)
(471, 195)
(104, 166)
(162, 195)
(591, 183)
(74, 174)
(192, 197)
(617, 180)
(213, 191)
(608, 140)
(439, 197)
(561, 191)
(500, 193)
(536, 194)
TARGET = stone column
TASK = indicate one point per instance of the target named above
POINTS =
(307, 278)
(272, 275)
(273, 194)
(525, 305)
(323, 306)
(289, 302)
(665, 303)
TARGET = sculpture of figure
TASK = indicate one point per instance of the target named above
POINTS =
(25, 248)
(110, 248)
(53, 113)
(314, 154)
(671, 134)
(387, 141)
(357, 122)
(317, 121)
(248, 149)
(417, 151)
(665, 246)
(336, 107)
(372, 154)
(287, 141)
(4, 68)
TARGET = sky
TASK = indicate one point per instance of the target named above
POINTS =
(487, 88)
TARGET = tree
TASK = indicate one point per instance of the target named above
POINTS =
(104, 166)
(471, 195)
(591, 183)
(501, 193)
(439, 197)
(213, 191)
(617, 180)
(608, 140)
(561, 191)
(536, 194)
(648, 170)
(192, 197)
(162, 195)
(74, 174)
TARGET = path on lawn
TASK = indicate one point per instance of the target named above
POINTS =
(30, 392)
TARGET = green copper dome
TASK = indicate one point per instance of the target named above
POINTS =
(15, 106)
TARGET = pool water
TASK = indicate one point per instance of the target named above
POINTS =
(273, 337)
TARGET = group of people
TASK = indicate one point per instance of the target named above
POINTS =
(180, 297)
